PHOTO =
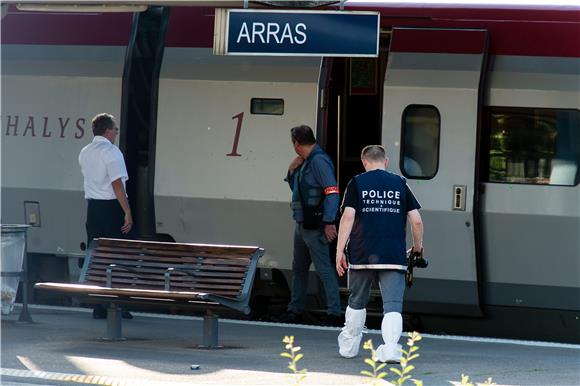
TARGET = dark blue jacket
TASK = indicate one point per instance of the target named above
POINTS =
(317, 182)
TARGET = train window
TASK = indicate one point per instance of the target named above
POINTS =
(267, 106)
(420, 141)
(532, 146)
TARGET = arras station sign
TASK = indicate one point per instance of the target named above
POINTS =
(296, 33)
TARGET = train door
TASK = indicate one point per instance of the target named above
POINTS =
(350, 108)
(349, 112)
(431, 116)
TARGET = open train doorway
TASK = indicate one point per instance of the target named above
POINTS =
(350, 108)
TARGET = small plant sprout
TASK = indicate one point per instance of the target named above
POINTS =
(465, 381)
(377, 375)
(404, 373)
(292, 354)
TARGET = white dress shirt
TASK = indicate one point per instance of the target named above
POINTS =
(101, 163)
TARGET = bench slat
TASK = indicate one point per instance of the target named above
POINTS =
(178, 260)
(160, 271)
(170, 253)
(194, 267)
(167, 256)
(229, 294)
(221, 249)
(161, 283)
(156, 281)
(123, 292)
(175, 277)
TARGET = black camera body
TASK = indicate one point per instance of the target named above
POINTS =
(414, 259)
(417, 260)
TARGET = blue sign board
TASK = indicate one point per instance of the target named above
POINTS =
(302, 33)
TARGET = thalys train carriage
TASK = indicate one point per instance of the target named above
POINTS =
(477, 105)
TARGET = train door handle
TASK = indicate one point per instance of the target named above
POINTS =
(459, 197)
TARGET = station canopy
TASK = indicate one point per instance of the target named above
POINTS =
(140, 5)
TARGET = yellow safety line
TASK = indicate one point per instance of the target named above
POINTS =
(84, 379)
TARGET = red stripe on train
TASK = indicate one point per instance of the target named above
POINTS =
(512, 31)
(440, 41)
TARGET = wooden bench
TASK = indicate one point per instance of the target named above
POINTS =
(127, 272)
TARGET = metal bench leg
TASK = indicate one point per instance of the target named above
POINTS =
(210, 330)
(114, 323)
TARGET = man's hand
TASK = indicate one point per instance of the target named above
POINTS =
(341, 265)
(119, 190)
(128, 224)
(330, 232)
(417, 249)
(296, 162)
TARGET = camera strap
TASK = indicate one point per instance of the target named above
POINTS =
(409, 273)
(411, 256)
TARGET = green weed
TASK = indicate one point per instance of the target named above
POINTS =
(376, 372)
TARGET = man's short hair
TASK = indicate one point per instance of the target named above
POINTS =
(102, 122)
(303, 135)
(373, 153)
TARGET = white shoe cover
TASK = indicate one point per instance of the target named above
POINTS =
(391, 329)
(351, 334)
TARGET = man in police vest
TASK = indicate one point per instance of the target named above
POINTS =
(315, 203)
(376, 207)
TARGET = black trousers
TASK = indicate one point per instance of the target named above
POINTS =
(104, 219)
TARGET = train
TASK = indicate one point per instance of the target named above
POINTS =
(477, 105)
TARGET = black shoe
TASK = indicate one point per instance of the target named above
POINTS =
(288, 317)
(332, 320)
(99, 312)
(126, 314)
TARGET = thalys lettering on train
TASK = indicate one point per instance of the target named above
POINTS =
(43, 127)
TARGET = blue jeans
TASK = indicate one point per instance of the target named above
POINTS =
(311, 246)
(391, 282)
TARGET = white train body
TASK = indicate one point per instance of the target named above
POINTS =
(218, 168)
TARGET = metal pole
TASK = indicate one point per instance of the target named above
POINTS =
(210, 330)
(24, 314)
(338, 133)
(114, 328)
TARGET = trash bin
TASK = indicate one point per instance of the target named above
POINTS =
(13, 265)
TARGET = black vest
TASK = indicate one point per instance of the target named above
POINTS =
(377, 240)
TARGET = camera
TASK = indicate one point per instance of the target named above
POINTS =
(416, 259)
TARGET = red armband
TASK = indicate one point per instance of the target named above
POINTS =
(331, 190)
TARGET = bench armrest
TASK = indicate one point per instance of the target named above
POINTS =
(117, 266)
(168, 273)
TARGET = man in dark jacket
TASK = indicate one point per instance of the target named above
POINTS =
(315, 203)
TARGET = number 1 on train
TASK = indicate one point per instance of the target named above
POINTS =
(234, 152)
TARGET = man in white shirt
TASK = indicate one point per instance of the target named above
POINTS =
(105, 174)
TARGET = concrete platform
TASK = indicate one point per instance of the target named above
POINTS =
(62, 347)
